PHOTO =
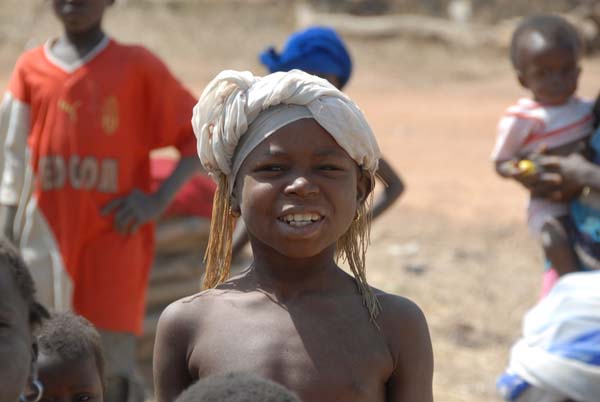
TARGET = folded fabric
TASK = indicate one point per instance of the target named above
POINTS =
(558, 357)
(238, 110)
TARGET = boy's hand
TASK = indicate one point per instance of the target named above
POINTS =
(526, 172)
(573, 172)
(521, 170)
(529, 180)
(134, 210)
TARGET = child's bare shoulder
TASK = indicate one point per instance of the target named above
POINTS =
(402, 322)
(398, 308)
(189, 313)
(404, 327)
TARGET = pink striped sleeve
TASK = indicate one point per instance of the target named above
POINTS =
(512, 135)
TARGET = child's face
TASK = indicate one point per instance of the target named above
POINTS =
(550, 72)
(15, 339)
(79, 16)
(66, 381)
(299, 190)
(332, 78)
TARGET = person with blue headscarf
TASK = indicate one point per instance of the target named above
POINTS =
(321, 51)
(316, 50)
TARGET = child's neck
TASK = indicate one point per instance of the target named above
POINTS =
(541, 102)
(82, 42)
(287, 278)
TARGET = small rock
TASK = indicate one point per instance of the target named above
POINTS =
(415, 269)
(404, 250)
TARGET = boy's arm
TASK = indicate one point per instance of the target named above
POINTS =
(511, 135)
(139, 208)
(394, 187)
(7, 220)
(410, 344)
(15, 122)
(169, 105)
(170, 364)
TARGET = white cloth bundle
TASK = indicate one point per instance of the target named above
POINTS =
(558, 357)
(233, 101)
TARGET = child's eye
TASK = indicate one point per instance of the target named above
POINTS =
(83, 398)
(330, 167)
(270, 168)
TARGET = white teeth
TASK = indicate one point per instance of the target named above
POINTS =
(299, 224)
(302, 218)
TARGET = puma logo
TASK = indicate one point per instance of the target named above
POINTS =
(69, 108)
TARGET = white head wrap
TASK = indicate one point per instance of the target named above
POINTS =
(238, 110)
(558, 357)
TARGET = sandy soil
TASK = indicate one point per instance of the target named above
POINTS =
(456, 243)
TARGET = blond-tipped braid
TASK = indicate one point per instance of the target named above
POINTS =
(352, 248)
(218, 252)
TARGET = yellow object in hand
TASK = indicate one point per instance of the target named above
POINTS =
(527, 167)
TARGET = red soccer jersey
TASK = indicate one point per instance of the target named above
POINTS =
(91, 129)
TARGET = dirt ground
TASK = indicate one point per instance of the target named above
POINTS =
(456, 243)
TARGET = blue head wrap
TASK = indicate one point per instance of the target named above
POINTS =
(316, 50)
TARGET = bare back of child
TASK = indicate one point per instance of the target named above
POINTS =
(294, 316)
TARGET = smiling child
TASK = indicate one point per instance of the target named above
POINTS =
(295, 158)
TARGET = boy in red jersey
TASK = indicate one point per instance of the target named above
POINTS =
(80, 117)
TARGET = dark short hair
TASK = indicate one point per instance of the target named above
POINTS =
(10, 258)
(553, 28)
(236, 387)
(72, 338)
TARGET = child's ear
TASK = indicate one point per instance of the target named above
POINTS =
(236, 208)
(364, 186)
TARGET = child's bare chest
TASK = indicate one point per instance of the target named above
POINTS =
(321, 356)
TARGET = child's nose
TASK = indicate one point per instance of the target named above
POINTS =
(556, 78)
(301, 186)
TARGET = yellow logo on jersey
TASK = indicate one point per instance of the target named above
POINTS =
(110, 115)
(69, 108)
